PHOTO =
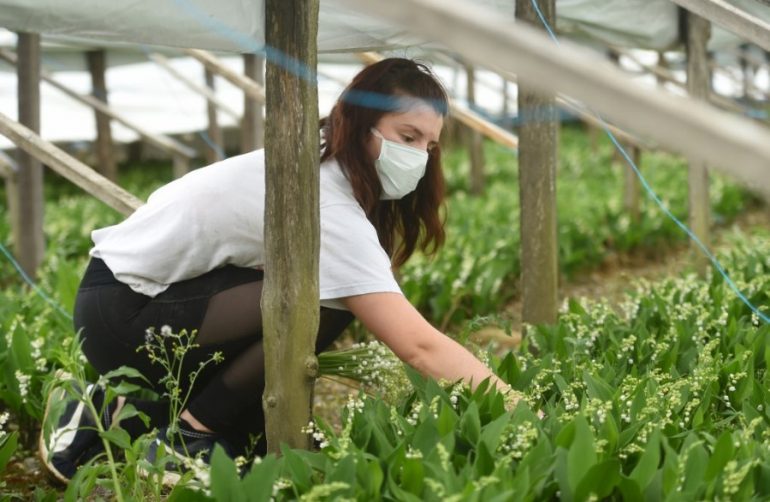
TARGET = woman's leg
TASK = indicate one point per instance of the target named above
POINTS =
(232, 400)
(224, 307)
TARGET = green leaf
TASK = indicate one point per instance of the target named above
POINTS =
(182, 493)
(426, 436)
(117, 436)
(470, 423)
(412, 475)
(225, 484)
(596, 387)
(372, 482)
(344, 471)
(485, 462)
(601, 480)
(695, 469)
(648, 462)
(399, 493)
(297, 469)
(8, 448)
(125, 372)
(562, 475)
(447, 419)
(491, 433)
(566, 436)
(629, 490)
(258, 483)
(581, 455)
(723, 452)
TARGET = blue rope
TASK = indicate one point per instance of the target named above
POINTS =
(32, 284)
(654, 196)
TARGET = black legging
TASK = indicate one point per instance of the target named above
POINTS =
(224, 306)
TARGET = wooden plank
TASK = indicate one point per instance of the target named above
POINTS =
(538, 159)
(290, 305)
(698, 85)
(210, 96)
(732, 18)
(69, 167)
(464, 115)
(28, 225)
(253, 123)
(163, 142)
(105, 158)
(254, 90)
(215, 149)
(475, 140)
(734, 145)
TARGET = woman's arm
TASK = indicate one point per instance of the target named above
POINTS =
(396, 323)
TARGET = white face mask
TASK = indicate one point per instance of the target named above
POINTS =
(399, 167)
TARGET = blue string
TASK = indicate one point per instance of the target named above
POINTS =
(32, 284)
(654, 196)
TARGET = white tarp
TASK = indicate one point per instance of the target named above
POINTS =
(226, 25)
(238, 25)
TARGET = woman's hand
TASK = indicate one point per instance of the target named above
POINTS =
(395, 322)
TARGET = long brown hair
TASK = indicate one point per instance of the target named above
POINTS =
(414, 221)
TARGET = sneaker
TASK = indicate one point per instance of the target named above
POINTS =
(189, 451)
(68, 436)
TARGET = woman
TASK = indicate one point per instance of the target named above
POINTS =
(191, 259)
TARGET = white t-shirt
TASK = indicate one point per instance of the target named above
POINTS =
(214, 216)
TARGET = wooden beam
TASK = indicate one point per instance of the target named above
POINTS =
(538, 159)
(665, 74)
(28, 226)
(732, 18)
(736, 146)
(566, 103)
(210, 96)
(699, 86)
(254, 90)
(290, 299)
(214, 151)
(69, 167)
(163, 142)
(253, 124)
(464, 115)
(105, 158)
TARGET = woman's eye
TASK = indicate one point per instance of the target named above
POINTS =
(407, 139)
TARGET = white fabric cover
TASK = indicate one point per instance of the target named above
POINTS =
(214, 216)
(238, 25)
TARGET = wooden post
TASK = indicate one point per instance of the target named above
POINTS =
(30, 247)
(10, 172)
(253, 126)
(538, 136)
(180, 165)
(505, 111)
(105, 160)
(215, 149)
(475, 140)
(698, 85)
(290, 304)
